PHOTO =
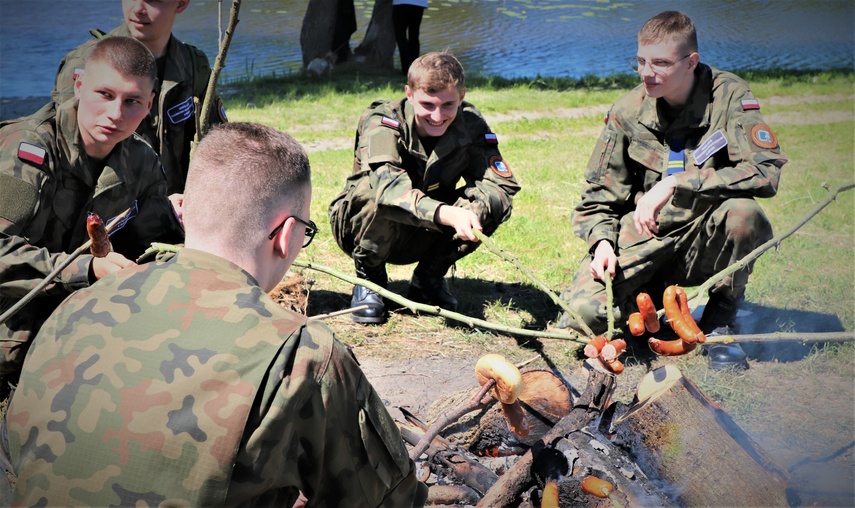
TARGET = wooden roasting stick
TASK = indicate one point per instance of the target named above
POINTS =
(110, 227)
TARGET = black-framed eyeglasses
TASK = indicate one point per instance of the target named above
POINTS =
(657, 66)
(311, 230)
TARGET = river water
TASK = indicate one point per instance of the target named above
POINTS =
(510, 38)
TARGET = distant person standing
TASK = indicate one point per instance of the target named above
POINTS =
(407, 18)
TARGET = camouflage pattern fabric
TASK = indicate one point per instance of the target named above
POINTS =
(386, 211)
(47, 187)
(182, 383)
(170, 125)
(731, 157)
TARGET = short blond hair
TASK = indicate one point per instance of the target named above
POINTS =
(240, 177)
(435, 72)
(670, 25)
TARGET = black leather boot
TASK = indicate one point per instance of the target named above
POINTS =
(375, 313)
(428, 286)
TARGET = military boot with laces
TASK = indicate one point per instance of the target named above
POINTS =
(375, 312)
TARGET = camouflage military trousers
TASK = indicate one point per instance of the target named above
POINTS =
(376, 235)
(688, 256)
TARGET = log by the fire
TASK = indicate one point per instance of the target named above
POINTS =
(679, 435)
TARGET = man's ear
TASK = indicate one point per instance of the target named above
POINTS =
(408, 91)
(283, 238)
(150, 101)
(182, 4)
(77, 84)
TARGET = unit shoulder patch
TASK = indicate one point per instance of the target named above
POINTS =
(500, 167)
(762, 136)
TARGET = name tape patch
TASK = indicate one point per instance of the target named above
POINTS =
(709, 147)
(181, 111)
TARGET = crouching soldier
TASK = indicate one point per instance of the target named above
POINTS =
(427, 172)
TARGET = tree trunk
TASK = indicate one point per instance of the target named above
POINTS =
(316, 34)
(680, 436)
(377, 49)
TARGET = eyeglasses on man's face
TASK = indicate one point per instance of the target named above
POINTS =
(311, 230)
(657, 65)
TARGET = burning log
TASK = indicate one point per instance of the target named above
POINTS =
(675, 433)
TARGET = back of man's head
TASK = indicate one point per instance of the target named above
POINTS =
(126, 55)
(241, 176)
(670, 25)
(435, 72)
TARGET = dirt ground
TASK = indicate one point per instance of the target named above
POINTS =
(799, 410)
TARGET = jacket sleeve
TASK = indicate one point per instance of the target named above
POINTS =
(23, 266)
(378, 153)
(751, 166)
(607, 190)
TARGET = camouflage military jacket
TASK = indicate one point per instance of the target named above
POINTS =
(47, 187)
(390, 156)
(728, 151)
(183, 383)
(170, 125)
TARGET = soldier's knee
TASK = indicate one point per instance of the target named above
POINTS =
(745, 221)
(586, 308)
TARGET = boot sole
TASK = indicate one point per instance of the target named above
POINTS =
(368, 320)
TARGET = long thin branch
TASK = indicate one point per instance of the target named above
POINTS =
(492, 247)
(219, 63)
(774, 242)
(433, 309)
(610, 312)
(784, 337)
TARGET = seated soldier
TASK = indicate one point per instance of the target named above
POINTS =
(427, 172)
(64, 161)
(183, 383)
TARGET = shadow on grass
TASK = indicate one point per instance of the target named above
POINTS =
(757, 319)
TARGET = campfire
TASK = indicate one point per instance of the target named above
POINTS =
(588, 450)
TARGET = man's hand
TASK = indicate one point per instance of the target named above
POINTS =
(112, 262)
(646, 216)
(604, 260)
(462, 220)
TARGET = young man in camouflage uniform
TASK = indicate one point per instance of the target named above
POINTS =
(65, 161)
(671, 184)
(183, 72)
(426, 172)
(181, 382)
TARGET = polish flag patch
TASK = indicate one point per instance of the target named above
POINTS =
(389, 122)
(750, 104)
(77, 73)
(31, 153)
(491, 138)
